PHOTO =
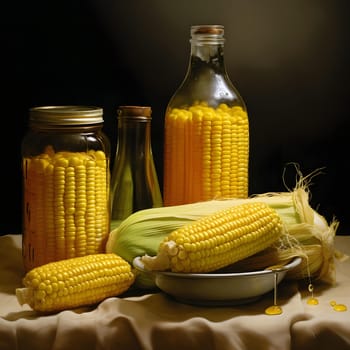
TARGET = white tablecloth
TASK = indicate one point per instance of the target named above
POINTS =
(155, 321)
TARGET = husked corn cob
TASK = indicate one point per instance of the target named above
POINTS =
(218, 240)
(206, 154)
(75, 282)
(66, 206)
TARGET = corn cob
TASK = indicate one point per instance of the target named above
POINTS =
(75, 282)
(218, 240)
(206, 154)
(66, 206)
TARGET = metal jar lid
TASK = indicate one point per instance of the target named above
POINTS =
(66, 115)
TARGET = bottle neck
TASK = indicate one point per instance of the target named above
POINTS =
(207, 47)
(208, 55)
(134, 137)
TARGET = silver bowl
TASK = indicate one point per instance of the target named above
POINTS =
(217, 288)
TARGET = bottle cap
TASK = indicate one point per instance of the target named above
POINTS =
(135, 112)
(210, 33)
(208, 29)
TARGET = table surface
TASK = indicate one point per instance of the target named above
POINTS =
(155, 321)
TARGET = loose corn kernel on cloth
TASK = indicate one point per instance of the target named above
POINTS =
(154, 321)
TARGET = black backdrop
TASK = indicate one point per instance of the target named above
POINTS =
(289, 60)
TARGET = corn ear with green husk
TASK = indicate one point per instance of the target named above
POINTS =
(308, 233)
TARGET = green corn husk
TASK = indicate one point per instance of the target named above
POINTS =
(308, 234)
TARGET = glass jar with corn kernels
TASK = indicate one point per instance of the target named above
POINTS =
(66, 177)
(206, 134)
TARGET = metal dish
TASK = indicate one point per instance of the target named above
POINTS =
(217, 288)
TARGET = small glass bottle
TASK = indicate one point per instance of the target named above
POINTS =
(65, 162)
(206, 147)
(134, 182)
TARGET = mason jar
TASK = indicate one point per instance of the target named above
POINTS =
(66, 178)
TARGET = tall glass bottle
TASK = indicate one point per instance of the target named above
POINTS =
(134, 182)
(206, 148)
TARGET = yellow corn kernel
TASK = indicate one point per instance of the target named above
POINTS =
(218, 240)
(205, 179)
(206, 154)
(69, 205)
(58, 204)
(90, 207)
(75, 282)
(216, 156)
(80, 208)
(188, 169)
(178, 154)
(197, 151)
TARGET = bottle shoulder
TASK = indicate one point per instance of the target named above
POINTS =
(208, 83)
(213, 89)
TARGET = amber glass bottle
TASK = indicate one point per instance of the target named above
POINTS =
(206, 148)
(134, 182)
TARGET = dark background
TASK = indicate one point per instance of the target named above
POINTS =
(288, 59)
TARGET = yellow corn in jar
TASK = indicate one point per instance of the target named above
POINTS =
(65, 163)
